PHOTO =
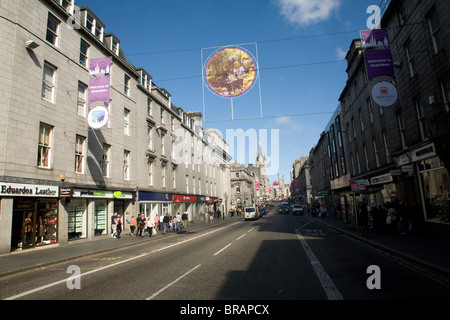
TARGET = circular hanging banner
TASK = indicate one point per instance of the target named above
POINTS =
(384, 94)
(98, 117)
(230, 72)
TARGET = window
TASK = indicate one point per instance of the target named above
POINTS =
(187, 184)
(149, 106)
(126, 85)
(162, 115)
(193, 185)
(48, 83)
(126, 165)
(366, 158)
(150, 173)
(375, 150)
(44, 146)
(52, 30)
(354, 127)
(421, 118)
(410, 56)
(435, 29)
(361, 120)
(163, 176)
(81, 103)
(402, 15)
(79, 154)
(66, 4)
(150, 138)
(84, 51)
(126, 122)
(353, 164)
(386, 147)
(401, 126)
(174, 178)
(115, 46)
(343, 168)
(163, 143)
(358, 162)
(105, 160)
(446, 93)
(199, 186)
(94, 26)
(370, 106)
(238, 189)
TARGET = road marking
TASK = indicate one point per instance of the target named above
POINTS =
(327, 284)
(241, 237)
(172, 283)
(17, 296)
(215, 254)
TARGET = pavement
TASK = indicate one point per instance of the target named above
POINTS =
(427, 252)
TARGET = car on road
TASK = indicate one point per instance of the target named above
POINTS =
(298, 209)
(251, 213)
(284, 209)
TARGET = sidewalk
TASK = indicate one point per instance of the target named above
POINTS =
(40, 257)
(430, 251)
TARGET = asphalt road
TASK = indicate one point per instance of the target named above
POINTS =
(279, 257)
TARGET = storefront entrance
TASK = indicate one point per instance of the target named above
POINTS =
(34, 223)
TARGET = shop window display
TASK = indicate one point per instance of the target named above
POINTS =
(77, 220)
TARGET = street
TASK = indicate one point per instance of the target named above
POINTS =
(279, 257)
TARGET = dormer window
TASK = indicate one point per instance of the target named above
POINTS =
(94, 26)
(67, 5)
(115, 46)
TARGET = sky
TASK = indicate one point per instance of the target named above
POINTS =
(299, 47)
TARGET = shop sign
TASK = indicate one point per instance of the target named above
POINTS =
(403, 159)
(359, 185)
(101, 194)
(27, 190)
(381, 179)
(65, 192)
(154, 196)
(423, 153)
(181, 198)
(408, 169)
(396, 173)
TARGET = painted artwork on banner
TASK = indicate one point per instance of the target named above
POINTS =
(99, 89)
(99, 66)
(375, 38)
(379, 63)
(230, 72)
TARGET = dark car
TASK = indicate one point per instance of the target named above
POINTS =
(284, 209)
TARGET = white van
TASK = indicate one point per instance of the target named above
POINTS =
(251, 213)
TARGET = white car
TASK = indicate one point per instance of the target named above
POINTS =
(251, 213)
(298, 209)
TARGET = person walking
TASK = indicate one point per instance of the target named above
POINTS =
(140, 225)
(132, 225)
(184, 220)
(113, 225)
(118, 226)
(149, 226)
(166, 221)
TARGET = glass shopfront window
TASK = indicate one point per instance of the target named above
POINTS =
(77, 219)
(436, 188)
(100, 217)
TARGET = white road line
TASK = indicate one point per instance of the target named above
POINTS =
(17, 296)
(241, 237)
(172, 283)
(215, 254)
(327, 284)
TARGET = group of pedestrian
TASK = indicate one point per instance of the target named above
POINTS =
(141, 225)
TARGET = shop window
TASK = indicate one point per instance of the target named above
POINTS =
(77, 219)
(100, 217)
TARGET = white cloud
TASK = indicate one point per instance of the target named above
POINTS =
(341, 53)
(306, 12)
(289, 124)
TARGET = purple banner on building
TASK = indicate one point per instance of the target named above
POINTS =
(375, 38)
(379, 63)
(100, 66)
(99, 89)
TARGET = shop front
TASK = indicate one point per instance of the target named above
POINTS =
(32, 215)
(153, 204)
(434, 183)
(89, 211)
(185, 203)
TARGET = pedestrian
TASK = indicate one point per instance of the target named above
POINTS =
(364, 219)
(132, 225)
(118, 226)
(156, 224)
(179, 226)
(166, 221)
(140, 225)
(113, 225)
(149, 226)
(184, 220)
(161, 223)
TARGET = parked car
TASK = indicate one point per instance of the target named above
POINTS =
(298, 210)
